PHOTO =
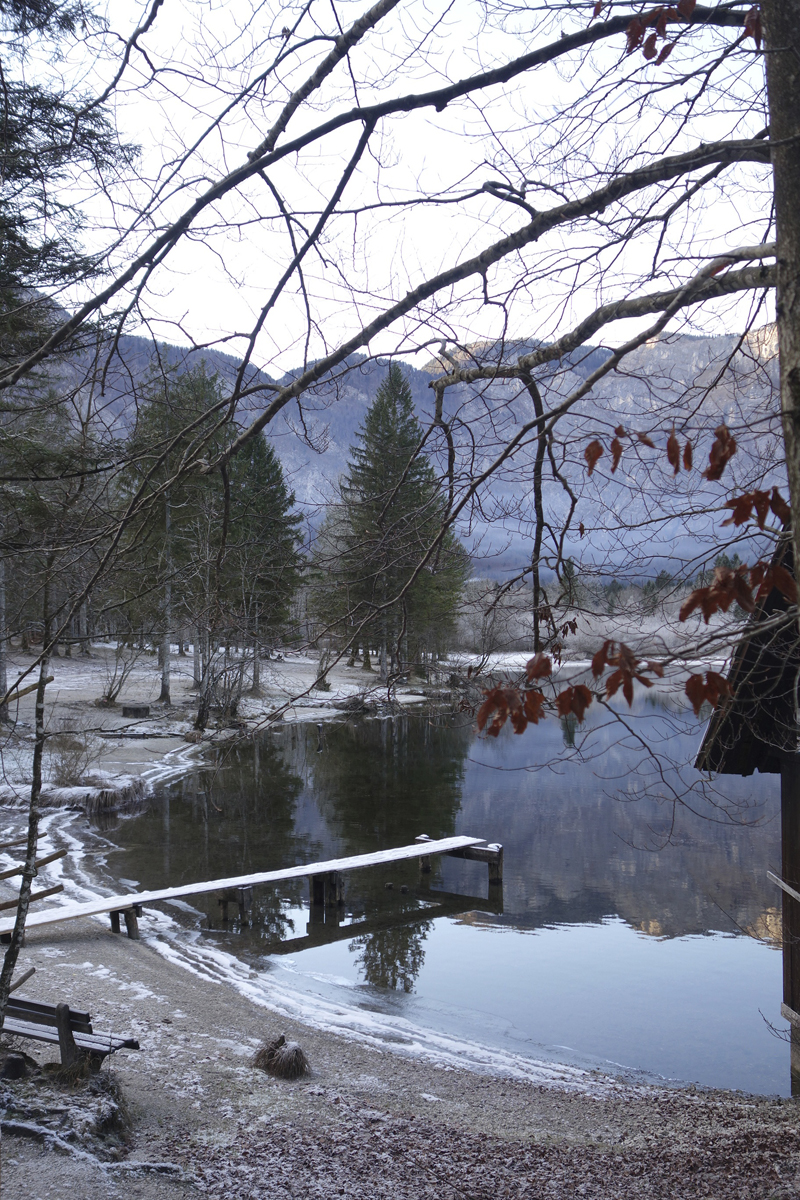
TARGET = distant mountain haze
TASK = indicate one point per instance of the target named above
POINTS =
(640, 520)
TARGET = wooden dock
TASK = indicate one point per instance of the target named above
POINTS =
(324, 877)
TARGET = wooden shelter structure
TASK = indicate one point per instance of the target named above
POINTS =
(756, 728)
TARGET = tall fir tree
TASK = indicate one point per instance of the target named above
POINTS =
(391, 508)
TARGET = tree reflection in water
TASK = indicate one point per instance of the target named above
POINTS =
(392, 958)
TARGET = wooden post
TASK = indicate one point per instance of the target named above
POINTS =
(244, 897)
(66, 1042)
(333, 889)
(131, 922)
(425, 860)
(316, 887)
(790, 873)
(222, 901)
(496, 864)
(114, 922)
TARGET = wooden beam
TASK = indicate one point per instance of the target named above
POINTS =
(14, 695)
(107, 904)
(40, 862)
(783, 886)
(22, 979)
(51, 891)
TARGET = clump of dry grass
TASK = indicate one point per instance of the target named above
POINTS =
(284, 1060)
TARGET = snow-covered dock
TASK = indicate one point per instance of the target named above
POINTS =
(324, 876)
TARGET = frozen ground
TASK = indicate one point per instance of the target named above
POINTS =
(367, 1122)
(162, 746)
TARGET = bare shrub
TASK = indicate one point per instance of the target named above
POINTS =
(72, 750)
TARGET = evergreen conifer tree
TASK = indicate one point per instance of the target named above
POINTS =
(372, 542)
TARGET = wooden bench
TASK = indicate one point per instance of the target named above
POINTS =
(63, 1026)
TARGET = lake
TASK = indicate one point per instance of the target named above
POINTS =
(636, 931)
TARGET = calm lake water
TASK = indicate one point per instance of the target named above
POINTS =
(627, 933)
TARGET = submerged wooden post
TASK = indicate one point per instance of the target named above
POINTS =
(496, 864)
(244, 898)
(333, 889)
(790, 873)
(425, 860)
(316, 888)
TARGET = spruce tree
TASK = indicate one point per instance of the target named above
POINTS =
(391, 508)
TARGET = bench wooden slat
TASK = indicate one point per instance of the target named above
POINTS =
(95, 1043)
(32, 1010)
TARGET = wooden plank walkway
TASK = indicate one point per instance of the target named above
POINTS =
(134, 900)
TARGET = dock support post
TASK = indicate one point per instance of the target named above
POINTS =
(425, 860)
(114, 922)
(316, 887)
(333, 889)
(496, 864)
(131, 921)
(222, 901)
(244, 898)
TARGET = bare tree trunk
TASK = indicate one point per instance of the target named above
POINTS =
(3, 641)
(165, 645)
(783, 86)
(29, 870)
(197, 670)
(256, 688)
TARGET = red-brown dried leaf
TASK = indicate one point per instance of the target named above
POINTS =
(686, 7)
(657, 668)
(741, 592)
(600, 659)
(696, 691)
(620, 431)
(752, 25)
(728, 587)
(646, 440)
(598, 8)
(534, 707)
(616, 454)
(687, 456)
(711, 689)
(592, 452)
(666, 50)
(538, 667)
(581, 699)
(661, 23)
(519, 722)
(501, 702)
(741, 509)
(649, 48)
(722, 451)
(634, 34)
(780, 507)
(574, 700)
(716, 686)
(761, 505)
(581, 530)
(693, 601)
(778, 577)
(673, 453)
